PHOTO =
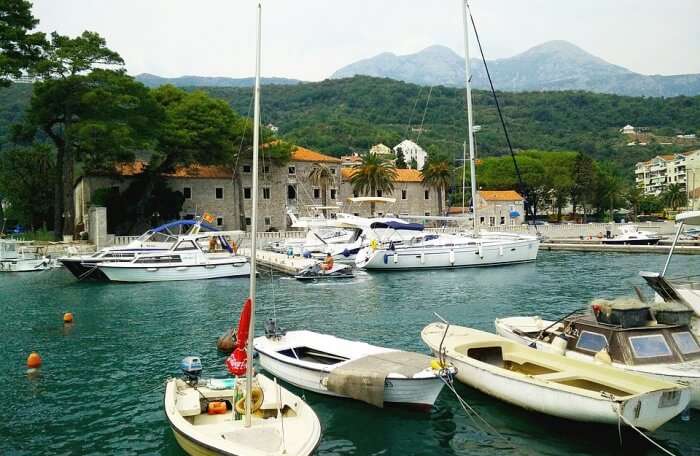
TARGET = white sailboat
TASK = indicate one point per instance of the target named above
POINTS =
(274, 421)
(454, 251)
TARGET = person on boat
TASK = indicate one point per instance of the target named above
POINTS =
(328, 262)
(212, 244)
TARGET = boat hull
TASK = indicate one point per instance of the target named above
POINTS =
(418, 392)
(153, 273)
(40, 264)
(631, 241)
(83, 270)
(458, 257)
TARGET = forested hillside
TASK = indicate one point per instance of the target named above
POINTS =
(346, 115)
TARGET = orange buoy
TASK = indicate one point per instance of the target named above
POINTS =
(68, 317)
(33, 360)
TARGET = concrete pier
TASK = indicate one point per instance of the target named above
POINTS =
(279, 261)
(596, 246)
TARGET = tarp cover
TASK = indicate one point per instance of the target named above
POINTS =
(363, 379)
(397, 226)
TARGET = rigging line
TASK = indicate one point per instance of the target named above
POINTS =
(410, 118)
(425, 110)
(500, 113)
(245, 128)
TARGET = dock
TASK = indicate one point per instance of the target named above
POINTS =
(279, 262)
(575, 245)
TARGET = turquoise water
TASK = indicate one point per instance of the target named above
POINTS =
(100, 389)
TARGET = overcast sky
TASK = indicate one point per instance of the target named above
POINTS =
(310, 39)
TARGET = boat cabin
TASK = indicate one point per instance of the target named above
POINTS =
(660, 343)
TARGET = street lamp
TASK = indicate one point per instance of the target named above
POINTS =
(5, 205)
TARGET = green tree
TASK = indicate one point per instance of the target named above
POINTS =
(674, 196)
(321, 176)
(634, 196)
(371, 174)
(582, 182)
(19, 49)
(438, 174)
(25, 174)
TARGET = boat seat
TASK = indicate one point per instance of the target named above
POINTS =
(555, 376)
(264, 439)
(187, 402)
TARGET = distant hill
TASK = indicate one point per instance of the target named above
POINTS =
(151, 80)
(554, 65)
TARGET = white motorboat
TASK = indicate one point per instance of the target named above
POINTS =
(185, 260)
(450, 251)
(250, 415)
(553, 384)
(666, 351)
(631, 235)
(684, 290)
(159, 239)
(23, 256)
(344, 368)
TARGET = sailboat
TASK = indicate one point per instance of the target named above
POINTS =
(251, 415)
(448, 250)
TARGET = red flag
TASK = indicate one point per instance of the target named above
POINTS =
(237, 361)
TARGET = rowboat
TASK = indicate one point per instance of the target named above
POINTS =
(329, 365)
(553, 384)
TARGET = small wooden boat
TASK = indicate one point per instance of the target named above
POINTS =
(552, 384)
(204, 419)
(338, 367)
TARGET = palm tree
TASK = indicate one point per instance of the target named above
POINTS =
(674, 196)
(373, 174)
(320, 175)
(437, 174)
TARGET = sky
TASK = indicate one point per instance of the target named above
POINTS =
(310, 39)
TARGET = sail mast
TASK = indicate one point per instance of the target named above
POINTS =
(253, 225)
(470, 120)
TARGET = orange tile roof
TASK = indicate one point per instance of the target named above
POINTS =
(131, 169)
(308, 155)
(402, 175)
(200, 171)
(500, 195)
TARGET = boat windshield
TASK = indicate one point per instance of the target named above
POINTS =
(686, 342)
(153, 236)
(590, 341)
(651, 346)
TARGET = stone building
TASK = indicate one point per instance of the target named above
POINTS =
(212, 189)
(412, 198)
(383, 151)
(500, 207)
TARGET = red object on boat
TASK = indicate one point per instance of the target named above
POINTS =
(237, 362)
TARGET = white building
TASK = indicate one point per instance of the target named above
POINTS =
(628, 130)
(411, 151)
(655, 175)
(381, 150)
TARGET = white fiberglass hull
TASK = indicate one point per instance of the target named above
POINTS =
(39, 264)
(130, 272)
(686, 373)
(489, 254)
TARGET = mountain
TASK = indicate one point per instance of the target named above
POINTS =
(151, 80)
(554, 65)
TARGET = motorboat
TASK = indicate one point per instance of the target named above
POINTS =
(249, 415)
(684, 290)
(316, 272)
(187, 259)
(631, 235)
(664, 348)
(552, 384)
(158, 239)
(329, 365)
(450, 251)
(23, 256)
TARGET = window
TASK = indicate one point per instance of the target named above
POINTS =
(246, 193)
(334, 171)
(503, 220)
(492, 221)
(219, 193)
(292, 170)
(380, 214)
(333, 193)
(247, 221)
(403, 194)
(481, 220)
(266, 169)
(592, 342)
(427, 214)
(317, 193)
(187, 192)
(354, 194)
(246, 169)
(219, 221)
(379, 193)
(649, 346)
(268, 221)
(291, 192)
(266, 193)
(686, 342)
(427, 194)
(186, 245)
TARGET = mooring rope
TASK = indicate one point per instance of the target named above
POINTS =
(620, 417)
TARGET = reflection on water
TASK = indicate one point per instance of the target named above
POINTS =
(100, 389)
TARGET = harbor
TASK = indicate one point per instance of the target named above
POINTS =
(100, 389)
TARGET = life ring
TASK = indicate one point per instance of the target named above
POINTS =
(256, 403)
(373, 244)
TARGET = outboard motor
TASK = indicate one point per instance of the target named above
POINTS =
(191, 368)
(272, 331)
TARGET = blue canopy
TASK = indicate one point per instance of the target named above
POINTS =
(514, 214)
(398, 226)
(178, 223)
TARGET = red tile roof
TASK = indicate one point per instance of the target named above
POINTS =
(402, 175)
(500, 195)
(308, 155)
